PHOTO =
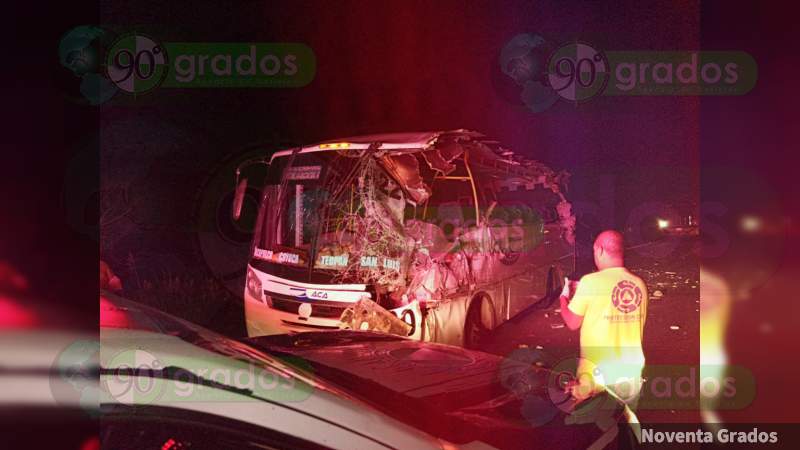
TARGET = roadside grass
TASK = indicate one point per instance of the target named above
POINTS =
(200, 300)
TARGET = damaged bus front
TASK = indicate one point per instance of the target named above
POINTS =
(439, 236)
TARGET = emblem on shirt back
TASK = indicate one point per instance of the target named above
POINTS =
(626, 296)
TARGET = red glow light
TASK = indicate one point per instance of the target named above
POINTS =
(14, 315)
(111, 316)
(92, 443)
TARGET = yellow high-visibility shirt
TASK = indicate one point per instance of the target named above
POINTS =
(715, 304)
(613, 303)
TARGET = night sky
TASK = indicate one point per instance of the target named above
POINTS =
(397, 66)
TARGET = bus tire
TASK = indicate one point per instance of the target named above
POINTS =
(479, 314)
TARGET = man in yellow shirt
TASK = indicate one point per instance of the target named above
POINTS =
(609, 306)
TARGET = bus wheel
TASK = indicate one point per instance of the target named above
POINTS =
(477, 325)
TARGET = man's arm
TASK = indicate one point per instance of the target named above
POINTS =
(572, 320)
(570, 291)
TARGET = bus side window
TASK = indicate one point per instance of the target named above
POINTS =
(445, 208)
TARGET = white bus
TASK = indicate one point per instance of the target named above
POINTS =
(447, 230)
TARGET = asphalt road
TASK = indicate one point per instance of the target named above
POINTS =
(671, 331)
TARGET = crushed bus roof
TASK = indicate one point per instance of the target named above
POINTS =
(439, 150)
(408, 141)
(484, 152)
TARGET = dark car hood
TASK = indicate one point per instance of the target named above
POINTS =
(412, 368)
(450, 392)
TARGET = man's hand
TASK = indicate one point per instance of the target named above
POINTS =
(569, 288)
(565, 291)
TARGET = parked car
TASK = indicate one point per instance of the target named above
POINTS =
(169, 384)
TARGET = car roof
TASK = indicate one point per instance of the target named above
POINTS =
(48, 368)
(127, 326)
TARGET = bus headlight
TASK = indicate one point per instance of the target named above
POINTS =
(253, 284)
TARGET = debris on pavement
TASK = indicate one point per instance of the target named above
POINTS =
(366, 315)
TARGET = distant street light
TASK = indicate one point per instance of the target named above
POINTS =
(751, 224)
